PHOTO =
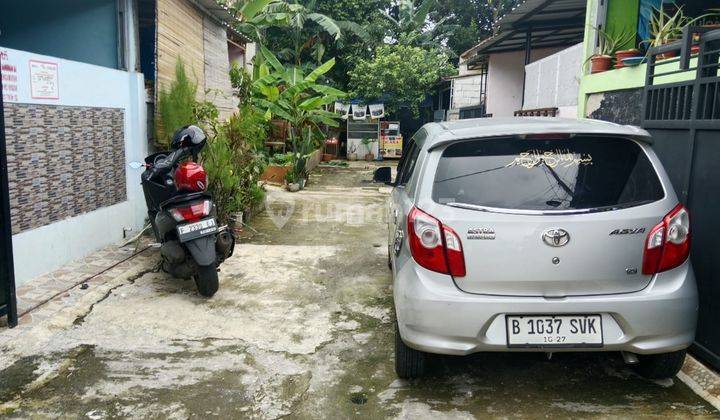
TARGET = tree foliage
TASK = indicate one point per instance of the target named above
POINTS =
(471, 20)
(399, 75)
(351, 48)
(410, 24)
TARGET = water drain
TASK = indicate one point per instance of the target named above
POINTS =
(358, 398)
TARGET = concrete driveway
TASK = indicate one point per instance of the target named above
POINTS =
(302, 327)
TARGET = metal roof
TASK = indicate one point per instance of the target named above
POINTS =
(221, 14)
(552, 23)
(450, 131)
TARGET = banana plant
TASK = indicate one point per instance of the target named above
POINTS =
(257, 15)
(410, 24)
(286, 92)
(310, 30)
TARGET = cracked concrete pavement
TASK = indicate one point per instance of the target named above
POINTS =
(301, 328)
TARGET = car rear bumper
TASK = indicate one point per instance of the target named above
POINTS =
(436, 317)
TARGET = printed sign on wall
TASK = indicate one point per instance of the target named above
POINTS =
(377, 110)
(342, 109)
(44, 80)
(359, 111)
(9, 77)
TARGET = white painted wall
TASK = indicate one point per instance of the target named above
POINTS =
(505, 80)
(467, 91)
(250, 52)
(44, 249)
(554, 81)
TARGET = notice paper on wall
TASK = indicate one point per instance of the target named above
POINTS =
(44, 80)
(377, 110)
(9, 77)
(359, 111)
(342, 109)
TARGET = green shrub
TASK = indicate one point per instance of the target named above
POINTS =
(224, 181)
(176, 107)
(281, 159)
(241, 82)
(248, 127)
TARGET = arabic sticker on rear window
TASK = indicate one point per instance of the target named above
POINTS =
(562, 158)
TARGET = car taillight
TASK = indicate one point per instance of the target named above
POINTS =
(192, 212)
(434, 246)
(668, 244)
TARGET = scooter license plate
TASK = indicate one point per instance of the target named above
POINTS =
(195, 230)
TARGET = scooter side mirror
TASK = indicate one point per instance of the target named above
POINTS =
(136, 165)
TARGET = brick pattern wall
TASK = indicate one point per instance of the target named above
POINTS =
(62, 162)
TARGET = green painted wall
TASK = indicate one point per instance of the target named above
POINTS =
(622, 15)
(618, 79)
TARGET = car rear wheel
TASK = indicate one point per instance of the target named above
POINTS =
(660, 366)
(206, 280)
(409, 363)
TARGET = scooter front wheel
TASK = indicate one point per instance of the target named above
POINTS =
(206, 280)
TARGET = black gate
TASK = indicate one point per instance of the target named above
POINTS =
(684, 119)
(7, 275)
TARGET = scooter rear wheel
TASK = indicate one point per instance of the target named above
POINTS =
(206, 280)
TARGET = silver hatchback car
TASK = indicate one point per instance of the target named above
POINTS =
(538, 234)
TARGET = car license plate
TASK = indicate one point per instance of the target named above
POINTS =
(196, 230)
(554, 330)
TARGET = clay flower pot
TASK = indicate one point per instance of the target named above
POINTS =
(369, 157)
(327, 157)
(600, 63)
(624, 54)
(352, 156)
(669, 54)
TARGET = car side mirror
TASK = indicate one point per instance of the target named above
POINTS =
(383, 174)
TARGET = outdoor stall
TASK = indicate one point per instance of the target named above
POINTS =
(367, 135)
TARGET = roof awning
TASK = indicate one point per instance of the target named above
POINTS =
(222, 14)
(548, 23)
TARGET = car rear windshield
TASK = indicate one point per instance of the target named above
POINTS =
(576, 173)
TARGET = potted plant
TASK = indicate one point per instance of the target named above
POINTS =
(710, 21)
(291, 182)
(278, 165)
(608, 46)
(623, 54)
(302, 148)
(367, 142)
(352, 152)
(235, 221)
(666, 28)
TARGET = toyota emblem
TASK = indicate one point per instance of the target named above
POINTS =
(556, 237)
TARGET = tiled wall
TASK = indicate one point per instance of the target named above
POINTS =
(62, 161)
